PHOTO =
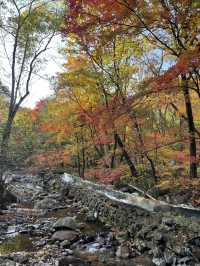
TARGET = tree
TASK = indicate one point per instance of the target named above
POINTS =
(169, 26)
(27, 29)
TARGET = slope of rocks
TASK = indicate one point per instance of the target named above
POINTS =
(59, 225)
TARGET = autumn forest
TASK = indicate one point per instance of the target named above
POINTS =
(126, 105)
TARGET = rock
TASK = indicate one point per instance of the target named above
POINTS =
(65, 244)
(123, 252)
(41, 243)
(159, 238)
(111, 239)
(46, 203)
(184, 261)
(20, 258)
(91, 217)
(88, 238)
(140, 245)
(168, 221)
(69, 251)
(7, 262)
(65, 235)
(66, 223)
(196, 252)
(6, 197)
(182, 251)
(159, 261)
(136, 227)
(142, 261)
(169, 257)
(195, 241)
(156, 252)
(146, 231)
(67, 261)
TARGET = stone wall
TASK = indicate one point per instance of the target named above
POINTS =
(122, 209)
(110, 211)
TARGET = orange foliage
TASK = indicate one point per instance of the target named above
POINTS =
(51, 159)
(105, 176)
(39, 105)
(84, 14)
(186, 63)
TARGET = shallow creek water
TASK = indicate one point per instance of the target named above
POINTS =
(92, 247)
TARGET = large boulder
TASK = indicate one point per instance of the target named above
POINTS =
(66, 223)
(6, 197)
(62, 235)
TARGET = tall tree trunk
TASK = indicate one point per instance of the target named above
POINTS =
(126, 155)
(153, 169)
(78, 162)
(5, 196)
(83, 156)
(112, 164)
(191, 128)
(83, 163)
(4, 144)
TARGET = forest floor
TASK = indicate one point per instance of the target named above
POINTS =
(180, 190)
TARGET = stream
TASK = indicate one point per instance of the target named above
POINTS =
(47, 228)
(30, 239)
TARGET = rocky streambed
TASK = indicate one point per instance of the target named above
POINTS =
(56, 224)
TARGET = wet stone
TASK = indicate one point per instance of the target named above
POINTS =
(66, 223)
(65, 235)
(159, 261)
(70, 260)
(123, 252)
(65, 243)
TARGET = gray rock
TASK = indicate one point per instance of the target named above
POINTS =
(140, 245)
(91, 217)
(46, 203)
(168, 221)
(123, 252)
(169, 257)
(65, 235)
(7, 262)
(184, 261)
(182, 251)
(69, 251)
(158, 237)
(66, 223)
(65, 244)
(69, 260)
(195, 241)
(20, 258)
(156, 252)
(159, 261)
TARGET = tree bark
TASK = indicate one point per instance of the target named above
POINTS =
(4, 144)
(153, 169)
(112, 164)
(191, 128)
(5, 196)
(126, 155)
